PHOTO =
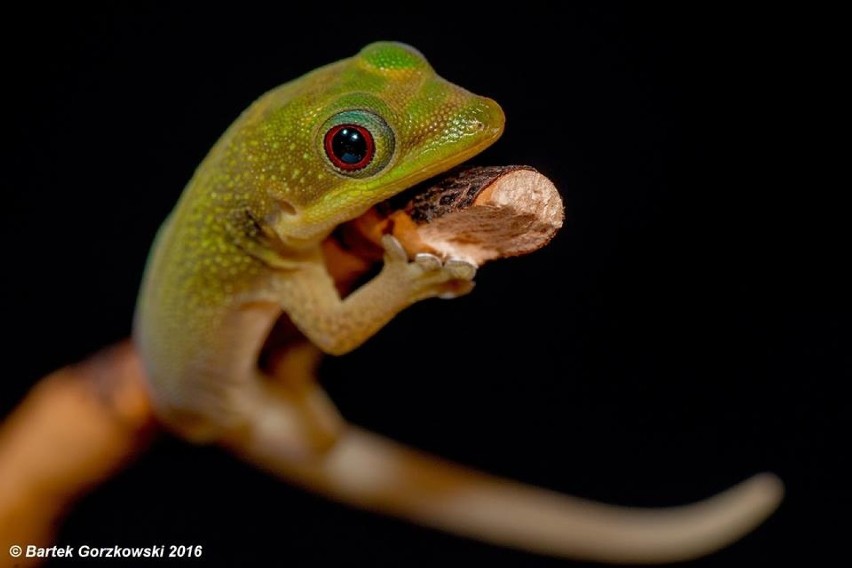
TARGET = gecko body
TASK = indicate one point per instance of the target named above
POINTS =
(243, 252)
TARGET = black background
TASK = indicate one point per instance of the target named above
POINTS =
(684, 331)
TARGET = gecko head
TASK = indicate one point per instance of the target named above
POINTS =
(357, 132)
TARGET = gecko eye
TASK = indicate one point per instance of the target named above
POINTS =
(350, 147)
(357, 143)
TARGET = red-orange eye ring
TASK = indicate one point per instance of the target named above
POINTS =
(350, 147)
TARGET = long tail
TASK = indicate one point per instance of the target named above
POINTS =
(375, 473)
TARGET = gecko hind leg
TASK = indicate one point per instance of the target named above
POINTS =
(293, 369)
(290, 411)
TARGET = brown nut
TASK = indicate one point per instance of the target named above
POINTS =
(477, 214)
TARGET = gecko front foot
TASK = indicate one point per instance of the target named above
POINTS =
(427, 275)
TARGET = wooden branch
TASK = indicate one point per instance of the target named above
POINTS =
(77, 427)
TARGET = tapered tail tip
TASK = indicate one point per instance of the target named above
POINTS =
(767, 491)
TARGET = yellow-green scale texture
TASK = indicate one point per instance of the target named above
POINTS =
(267, 190)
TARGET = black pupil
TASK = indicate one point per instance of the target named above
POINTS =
(349, 146)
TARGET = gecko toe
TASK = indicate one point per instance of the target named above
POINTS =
(428, 262)
(393, 248)
(461, 269)
(460, 288)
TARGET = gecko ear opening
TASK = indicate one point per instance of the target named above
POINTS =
(286, 207)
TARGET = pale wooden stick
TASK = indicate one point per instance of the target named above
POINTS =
(77, 427)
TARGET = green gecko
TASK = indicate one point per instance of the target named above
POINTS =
(244, 246)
